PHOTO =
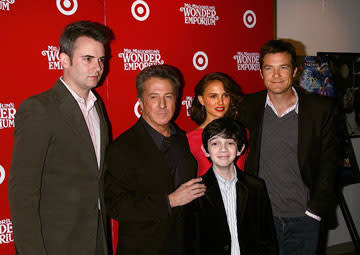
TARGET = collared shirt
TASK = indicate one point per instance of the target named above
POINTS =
(171, 150)
(228, 194)
(291, 108)
(159, 140)
(91, 118)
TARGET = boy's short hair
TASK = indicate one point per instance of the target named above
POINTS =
(228, 129)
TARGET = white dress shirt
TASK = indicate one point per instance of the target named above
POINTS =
(228, 194)
(91, 118)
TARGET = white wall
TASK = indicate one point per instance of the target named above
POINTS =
(321, 25)
(331, 26)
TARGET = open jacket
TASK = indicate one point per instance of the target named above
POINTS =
(255, 226)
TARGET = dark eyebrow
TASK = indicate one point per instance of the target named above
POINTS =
(90, 56)
(87, 56)
(213, 138)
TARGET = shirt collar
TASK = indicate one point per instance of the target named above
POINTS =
(223, 181)
(156, 136)
(291, 108)
(89, 101)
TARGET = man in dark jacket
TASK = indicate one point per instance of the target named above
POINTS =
(149, 172)
(293, 147)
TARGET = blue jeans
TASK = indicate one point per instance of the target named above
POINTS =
(297, 235)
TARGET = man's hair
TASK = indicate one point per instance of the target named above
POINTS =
(197, 111)
(90, 29)
(161, 72)
(277, 46)
(226, 128)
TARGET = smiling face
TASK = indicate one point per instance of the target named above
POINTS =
(215, 100)
(222, 152)
(84, 70)
(278, 73)
(158, 103)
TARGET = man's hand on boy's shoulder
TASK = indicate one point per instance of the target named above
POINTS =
(187, 192)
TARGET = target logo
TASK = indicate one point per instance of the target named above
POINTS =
(140, 10)
(249, 19)
(137, 109)
(200, 60)
(67, 7)
(2, 174)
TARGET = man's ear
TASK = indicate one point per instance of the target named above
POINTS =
(242, 149)
(262, 77)
(141, 104)
(203, 149)
(295, 71)
(65, 60)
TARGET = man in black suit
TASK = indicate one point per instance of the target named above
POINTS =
(293, 147)
(149, 172)
(55, 186)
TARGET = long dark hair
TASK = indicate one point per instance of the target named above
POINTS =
(197, 111)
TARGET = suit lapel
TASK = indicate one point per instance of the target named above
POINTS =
(72, 115)
(303, 129)
(213, 195)
(151, 154)
(258, 122)
(104, 135)
(241, 197)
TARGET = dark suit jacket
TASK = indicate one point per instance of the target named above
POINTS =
(137, 183)
(255, 226)
(54, 181)
(317, 144)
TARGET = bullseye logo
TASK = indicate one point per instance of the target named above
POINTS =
(137, 109)
(2, 174)
(67, 7)
(140, 10)
(200, 60)
(249, 19)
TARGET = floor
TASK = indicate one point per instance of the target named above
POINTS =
(341, 249)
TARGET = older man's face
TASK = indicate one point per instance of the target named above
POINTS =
(158, 102)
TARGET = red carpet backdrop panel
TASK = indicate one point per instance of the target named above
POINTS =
(196, 36)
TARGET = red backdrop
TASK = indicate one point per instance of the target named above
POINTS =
(197, 36)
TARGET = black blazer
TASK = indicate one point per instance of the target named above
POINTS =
(137, 183)
(55, 182)
(255, 226)
(317, 144)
